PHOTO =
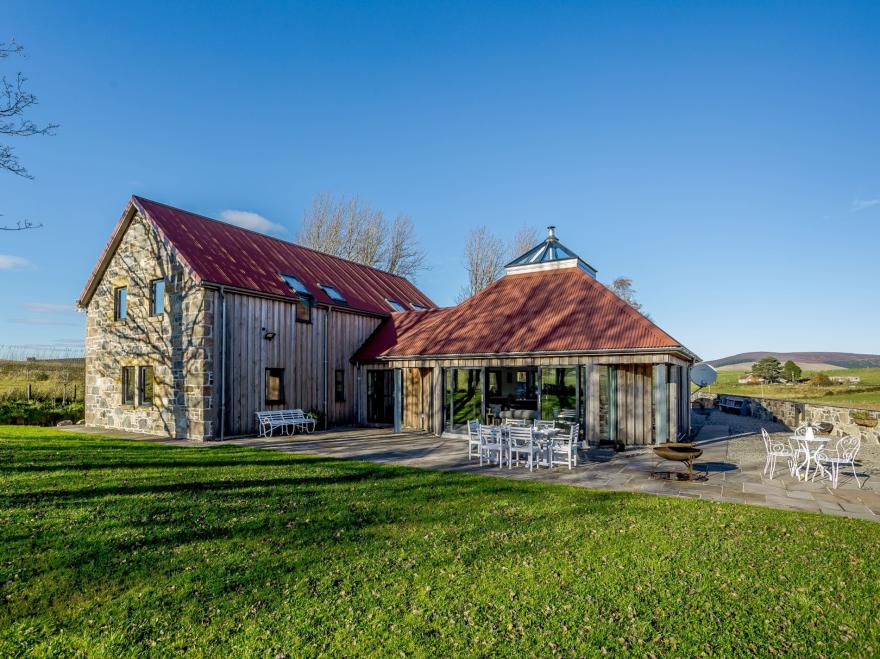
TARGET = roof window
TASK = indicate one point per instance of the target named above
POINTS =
(418, 307)
(395, 305)
(295, 284)
(333, 294)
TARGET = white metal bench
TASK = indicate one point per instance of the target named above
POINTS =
(287, 420)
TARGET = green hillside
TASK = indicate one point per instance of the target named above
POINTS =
(865, 395)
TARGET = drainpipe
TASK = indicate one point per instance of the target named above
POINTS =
(221, 376)
(326, 365)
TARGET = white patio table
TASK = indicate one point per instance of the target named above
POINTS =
(545, 439)
(810, 445)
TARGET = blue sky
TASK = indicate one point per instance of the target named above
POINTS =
(726, 156)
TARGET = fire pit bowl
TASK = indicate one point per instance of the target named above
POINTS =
(684, 452)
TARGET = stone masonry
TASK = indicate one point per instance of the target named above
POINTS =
(864, 424)
(178, 344)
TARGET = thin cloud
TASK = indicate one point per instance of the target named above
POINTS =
(861, 204)
(45, 307)
(252, 221)
(44, 321)
(9, 262)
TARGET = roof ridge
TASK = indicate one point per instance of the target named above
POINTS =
(263, 235)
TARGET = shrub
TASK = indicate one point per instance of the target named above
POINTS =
(820, 380)
(38, 412)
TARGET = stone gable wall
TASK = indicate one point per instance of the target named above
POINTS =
(178, 344)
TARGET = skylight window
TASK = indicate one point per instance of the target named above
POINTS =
(395, 305)
(333, 294)
(295, 284)
(418, 307)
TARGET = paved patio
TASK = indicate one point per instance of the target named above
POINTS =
(732, 467)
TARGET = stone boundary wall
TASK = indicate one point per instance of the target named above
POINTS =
(793, 413)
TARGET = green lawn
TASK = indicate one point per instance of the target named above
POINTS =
(865, 395)
(114, 548)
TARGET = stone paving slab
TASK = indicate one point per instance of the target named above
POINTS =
(733, 468)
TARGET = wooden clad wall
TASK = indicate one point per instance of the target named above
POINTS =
(308, 360)
(347, 333)
(634, 404)
(248, 355)
(417, 398)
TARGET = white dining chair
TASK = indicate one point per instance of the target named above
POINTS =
(776, 449)
(491, 444)
(473, 438)
(843, 454)
(564, 448)
(522, 444)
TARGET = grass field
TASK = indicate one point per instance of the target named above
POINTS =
(47, 378)
(122, 549)
(865, 395)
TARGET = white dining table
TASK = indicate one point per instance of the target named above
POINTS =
(810, 446)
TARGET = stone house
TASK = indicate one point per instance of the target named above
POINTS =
(194, 325)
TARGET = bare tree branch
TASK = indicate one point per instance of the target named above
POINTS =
(15, 100)
(622, 287)
(524, 239)
(485, 256)
(21, 225)
(355, 231)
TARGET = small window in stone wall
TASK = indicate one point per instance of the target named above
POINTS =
(145, 385)
(274, 386)
(128, 385)
(157, 297)
(120, 302)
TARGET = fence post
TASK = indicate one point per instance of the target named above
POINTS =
(29, 391)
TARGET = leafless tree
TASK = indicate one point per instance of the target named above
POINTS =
(350, 228)
(15, 101)
(622, 287)
(484, 255)
(523, 240)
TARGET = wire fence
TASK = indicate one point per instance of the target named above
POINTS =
(38, 372)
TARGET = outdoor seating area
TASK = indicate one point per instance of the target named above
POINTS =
(532, 444)
(286, 421)
(810, 452)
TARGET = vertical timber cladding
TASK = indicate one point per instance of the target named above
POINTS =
(249, 354)
(417, 398)
(309, 353)
(634, 404)
(347, 333)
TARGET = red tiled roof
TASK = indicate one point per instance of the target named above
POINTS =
(561, 310)
(220, 253)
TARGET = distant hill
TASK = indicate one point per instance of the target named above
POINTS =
(810, 361)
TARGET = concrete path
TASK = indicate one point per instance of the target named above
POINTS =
(732, 469)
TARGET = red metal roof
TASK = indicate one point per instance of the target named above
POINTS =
(560, 310)
(220, 253)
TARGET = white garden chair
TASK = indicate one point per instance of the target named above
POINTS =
(844, 453)
(522, 444)
(491, 444)
(544, 425)
(564, 449)
(473, 438)
(776, 448)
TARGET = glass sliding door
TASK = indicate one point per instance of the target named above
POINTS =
(463, 397)
(559, 393)
(607, 404)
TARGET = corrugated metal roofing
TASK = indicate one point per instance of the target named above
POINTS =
(553, 311)
(228, 255)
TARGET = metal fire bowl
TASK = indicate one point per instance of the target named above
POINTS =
(678, 451)
(684, 452)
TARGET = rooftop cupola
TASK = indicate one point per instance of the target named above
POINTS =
(548, 255)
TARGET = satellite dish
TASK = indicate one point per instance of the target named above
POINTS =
(703, 374)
